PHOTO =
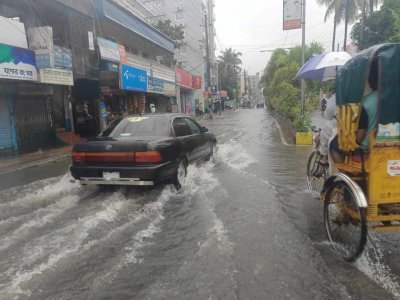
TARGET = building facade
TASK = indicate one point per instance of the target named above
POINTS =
(84, 63)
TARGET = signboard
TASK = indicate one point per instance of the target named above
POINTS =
(62, 57)
(169, 89)
(133, 79)
(292, 14)
(213, 90)
(44, 59)
(17, 63)
(12, 33)
(222, 94)
(183, 78)
(108, 50)
(56, 76)
(91, 40)
(40, 38)
(196, 82)
(155, 85)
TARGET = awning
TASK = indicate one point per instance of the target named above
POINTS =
(134, 24)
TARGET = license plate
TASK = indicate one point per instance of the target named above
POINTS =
(111, 175)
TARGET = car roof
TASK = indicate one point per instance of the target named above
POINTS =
(159, 115)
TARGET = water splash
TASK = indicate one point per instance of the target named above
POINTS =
(370, 263)
(234, 155)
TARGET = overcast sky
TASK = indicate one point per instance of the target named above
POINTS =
(253, 25)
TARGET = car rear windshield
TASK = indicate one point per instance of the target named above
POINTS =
(138, 126)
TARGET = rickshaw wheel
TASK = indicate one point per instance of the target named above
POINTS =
(316, 174)
(345, 222)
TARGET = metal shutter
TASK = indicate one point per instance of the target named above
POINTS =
(5, 125)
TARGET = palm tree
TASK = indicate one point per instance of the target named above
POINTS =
(229, 68)
(343, 10)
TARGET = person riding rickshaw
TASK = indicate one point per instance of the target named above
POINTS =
(362, 191)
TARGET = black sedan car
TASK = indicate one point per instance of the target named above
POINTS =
(143, 150)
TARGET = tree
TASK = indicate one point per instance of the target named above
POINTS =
(281, 91)
(228, 71)
(382, 26)
(175, 33)
(343, 10)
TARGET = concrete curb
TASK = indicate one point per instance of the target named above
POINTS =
(36, 163)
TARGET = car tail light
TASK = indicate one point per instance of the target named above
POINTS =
(103, 157)
(148, 157)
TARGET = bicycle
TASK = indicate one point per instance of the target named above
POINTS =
(316, 171)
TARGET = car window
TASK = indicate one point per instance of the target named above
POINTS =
(193, 126)
(138, 126)
(181, 128)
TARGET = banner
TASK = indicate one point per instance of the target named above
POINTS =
(197, 82)
(56, 76)
(62, 57)
(183, 78)
(169, 89)
(40, 38)
(155, 85)
(109, 50)
(292, 14)
(17, 63)
(133, 79)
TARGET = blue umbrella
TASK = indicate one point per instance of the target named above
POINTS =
(323, 67)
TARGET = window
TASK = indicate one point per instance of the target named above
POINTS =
(182, 49)
(193, 126)
(178, 1)
(179, 15)
(181, 128)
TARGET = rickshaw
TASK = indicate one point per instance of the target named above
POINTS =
(362, 192)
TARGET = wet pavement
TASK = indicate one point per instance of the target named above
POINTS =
(243, 228)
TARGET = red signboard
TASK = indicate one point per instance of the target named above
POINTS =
(223, 94)
(197, 82)
(183, 78)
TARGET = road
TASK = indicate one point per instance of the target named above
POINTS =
(243, 228)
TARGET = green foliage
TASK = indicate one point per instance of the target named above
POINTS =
(382, 26)
(228, 72)
(175, 33)
(282, 93)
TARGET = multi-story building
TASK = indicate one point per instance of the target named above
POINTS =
(83, 63)
(254, 90)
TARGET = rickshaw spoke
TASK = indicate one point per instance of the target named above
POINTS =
(344, 222)
(315, 175)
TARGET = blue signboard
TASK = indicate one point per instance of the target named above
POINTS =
(133, 79)
(43, 60)
(62, 57)
(155, 85)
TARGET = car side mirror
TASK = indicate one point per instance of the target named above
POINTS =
(204, 129)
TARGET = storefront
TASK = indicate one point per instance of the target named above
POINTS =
(26, 122)
(186, 91)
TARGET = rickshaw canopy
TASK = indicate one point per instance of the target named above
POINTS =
(351, 80)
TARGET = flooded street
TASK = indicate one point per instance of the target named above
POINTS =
(242, 228)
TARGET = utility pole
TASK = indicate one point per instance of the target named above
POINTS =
(303, 51)
(207, 52)
(362, 26)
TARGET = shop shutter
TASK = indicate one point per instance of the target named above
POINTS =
(5, 125)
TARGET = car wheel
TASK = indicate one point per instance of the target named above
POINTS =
(180, 174)
(214, 150)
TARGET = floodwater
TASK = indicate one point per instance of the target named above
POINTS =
(242, 228)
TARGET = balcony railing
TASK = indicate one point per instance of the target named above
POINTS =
(160, 71)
